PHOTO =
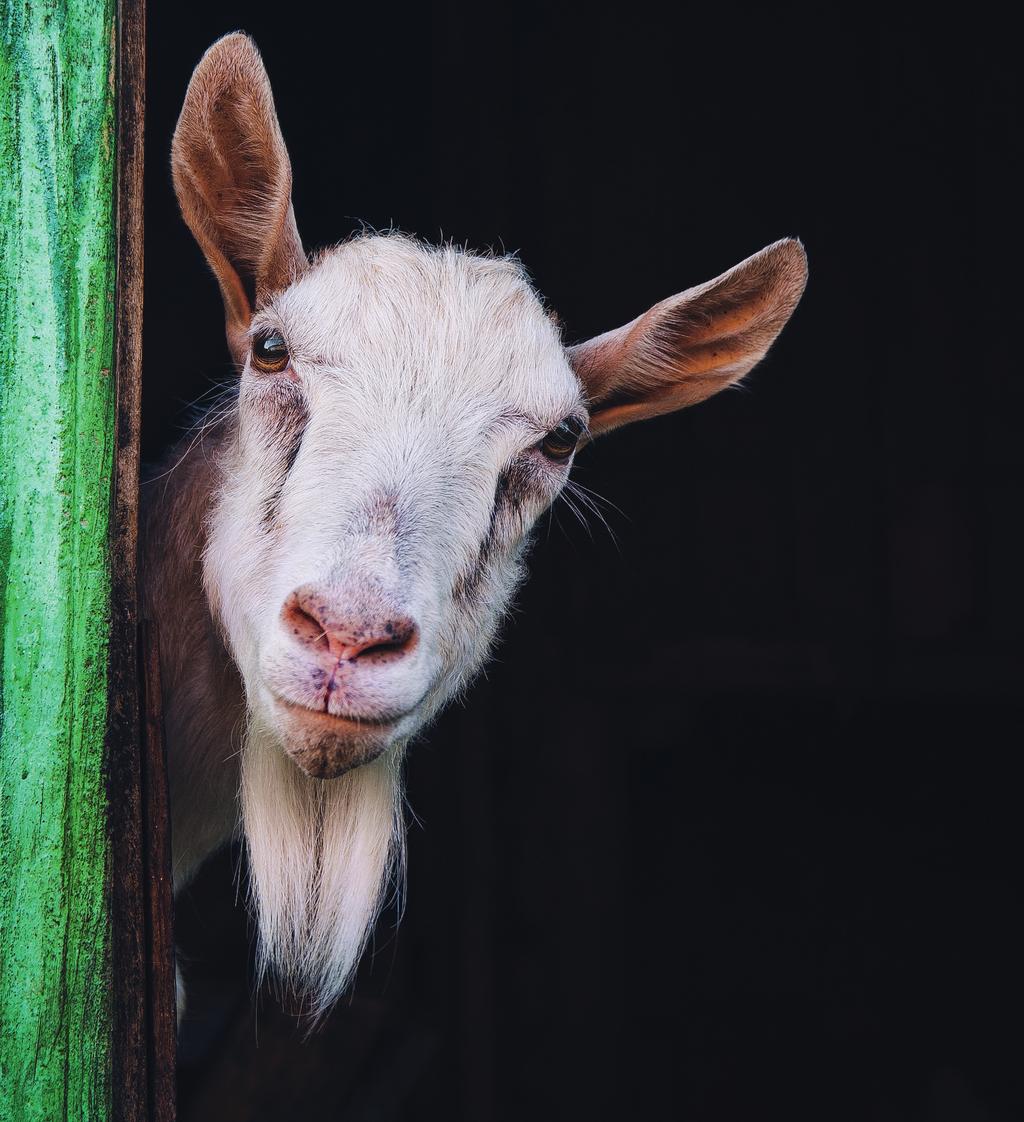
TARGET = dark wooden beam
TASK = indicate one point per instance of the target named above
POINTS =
(162, 1027)
(144, 1029)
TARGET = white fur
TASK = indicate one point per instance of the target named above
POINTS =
(320, 857)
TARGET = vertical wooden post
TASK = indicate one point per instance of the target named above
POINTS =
(71, 898)
(132, 1028)
(162, 1029)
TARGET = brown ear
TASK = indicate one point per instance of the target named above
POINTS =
(234, 181)
(692, 345)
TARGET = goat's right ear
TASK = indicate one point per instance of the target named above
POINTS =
(234, 181)
(694, 344)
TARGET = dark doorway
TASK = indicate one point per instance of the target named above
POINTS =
(730, 831)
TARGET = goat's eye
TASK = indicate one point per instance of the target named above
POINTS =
(560, 442)
(270, 352)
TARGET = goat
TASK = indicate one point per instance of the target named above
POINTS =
(329, 560)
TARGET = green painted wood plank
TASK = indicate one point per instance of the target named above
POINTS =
(57, 132)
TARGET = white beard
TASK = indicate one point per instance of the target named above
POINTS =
(321, 854)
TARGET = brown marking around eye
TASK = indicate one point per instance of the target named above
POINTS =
(287, 437)
(515, 484)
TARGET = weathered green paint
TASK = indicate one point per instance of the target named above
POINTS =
(57, 132)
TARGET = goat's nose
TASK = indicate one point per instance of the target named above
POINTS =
(357, 632)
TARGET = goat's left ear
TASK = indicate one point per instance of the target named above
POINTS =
(234, 181)
(694, 344)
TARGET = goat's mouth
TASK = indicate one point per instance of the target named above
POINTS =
(325, 745)
(339, 721)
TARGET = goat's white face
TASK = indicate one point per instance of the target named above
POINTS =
(405, 416)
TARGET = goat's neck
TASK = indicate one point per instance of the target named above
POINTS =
(203, 699)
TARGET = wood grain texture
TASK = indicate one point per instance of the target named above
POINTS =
(127, 893)
(162, 1032)
(57, 264)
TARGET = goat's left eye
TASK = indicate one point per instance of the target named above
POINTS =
(560, 443)
(270, 352)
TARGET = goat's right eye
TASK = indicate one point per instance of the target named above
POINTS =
(560, 442)
(270, 352)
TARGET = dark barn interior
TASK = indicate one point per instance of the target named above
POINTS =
(730, 829)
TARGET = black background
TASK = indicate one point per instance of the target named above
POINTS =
(730, 830)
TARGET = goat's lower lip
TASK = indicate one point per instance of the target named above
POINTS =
(331, 721)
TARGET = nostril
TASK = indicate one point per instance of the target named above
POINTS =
(303, 624)
(398, 638)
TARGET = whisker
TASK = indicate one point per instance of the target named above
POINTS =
(578, 515)
(589, 501)
(577, 486)
(218, 411)
(596, 511)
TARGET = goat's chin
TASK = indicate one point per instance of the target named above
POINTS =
(325, 746)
